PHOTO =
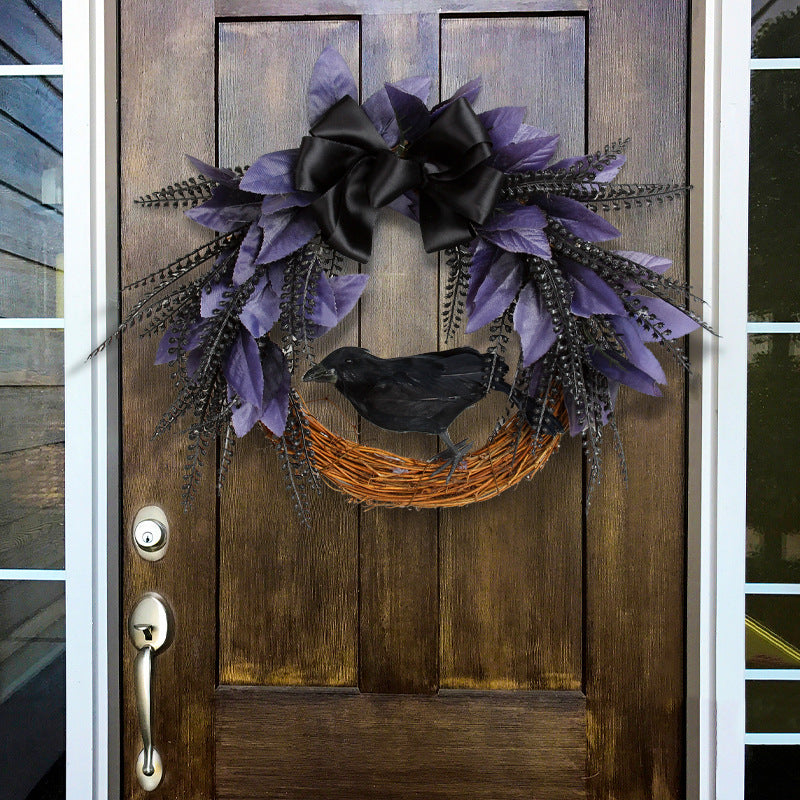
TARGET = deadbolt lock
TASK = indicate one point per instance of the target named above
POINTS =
(151, 533)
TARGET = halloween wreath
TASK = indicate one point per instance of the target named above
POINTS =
(520, 236)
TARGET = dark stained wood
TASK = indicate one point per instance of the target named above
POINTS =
(347, 745)
(635, 535)
(32, 507)
(255, 8)
(303, 583)
(511, 583)
(399, 548)
(166, 110)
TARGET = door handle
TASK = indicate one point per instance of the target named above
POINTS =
(150, 627)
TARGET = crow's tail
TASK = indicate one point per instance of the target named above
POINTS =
(527, 405)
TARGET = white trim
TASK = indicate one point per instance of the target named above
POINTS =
(772, 588)
(32, 70)
(773, 327)
(772, 738)
(775, 63)
(772, 674)
(732, 213)
(32, 574)
(89, 36)
(31, 322)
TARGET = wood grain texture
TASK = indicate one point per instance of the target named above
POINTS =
(398, 548)
(30, 289)
(303, 582)
(511, 583)
(166, 110)
(636, 535)
(346, 745)
(32, 507)
(278, 8)
(32, 357)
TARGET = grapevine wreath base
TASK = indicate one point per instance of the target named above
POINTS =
(375, 477)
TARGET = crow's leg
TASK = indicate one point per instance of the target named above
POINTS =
(452, 456)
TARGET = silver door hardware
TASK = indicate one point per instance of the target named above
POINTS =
(150, 627)
(151, 533)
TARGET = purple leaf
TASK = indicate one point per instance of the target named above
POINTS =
(407, 206)
(263, 308)
(272, 173)
(616, 368)
(527, 154)
(276, 390)
(336, 297)
(469, 90)
(592, 295)
(502, 124)
(278, 202)
(378, 108)
(630, 334)
(242, 369)
(518, 229)
(243, 416)
(245, 260)
(483, 256)
(578, 219)
(533, 323)
(226, 210)
(496, 292)
(226, 177)
(676, 323)
(213, 297)
(331, 80)
(284, 233)
(413, 117)
(657, 264)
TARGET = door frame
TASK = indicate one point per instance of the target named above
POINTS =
(716, 467)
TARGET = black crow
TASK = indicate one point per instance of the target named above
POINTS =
(422, 393)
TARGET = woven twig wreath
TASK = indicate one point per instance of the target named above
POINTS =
(375, 477)
(520, 233)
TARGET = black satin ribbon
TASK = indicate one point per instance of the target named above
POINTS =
(348, 163)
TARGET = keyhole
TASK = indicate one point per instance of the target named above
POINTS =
(147, 631)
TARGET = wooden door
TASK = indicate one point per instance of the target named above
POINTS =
(523, 647)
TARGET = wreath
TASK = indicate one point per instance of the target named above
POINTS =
(521, 238)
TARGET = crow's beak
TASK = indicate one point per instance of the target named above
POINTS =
(320, 373)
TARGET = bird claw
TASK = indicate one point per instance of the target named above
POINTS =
(451, 458)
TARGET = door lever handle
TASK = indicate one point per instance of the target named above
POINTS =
(150, 627)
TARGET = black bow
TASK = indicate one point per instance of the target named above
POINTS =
(347, 161)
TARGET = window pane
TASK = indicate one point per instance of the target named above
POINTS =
(773, 706)
(775, 29)
(774, 290)
(773, 454)
(772, 631)
(31, 449)
(30, 32)
(32, 689)
(31, 216)
(771, 772)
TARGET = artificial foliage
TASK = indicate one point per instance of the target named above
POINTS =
(524, 245)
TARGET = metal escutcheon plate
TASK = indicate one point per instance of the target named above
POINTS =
(149, 782)
(150, 622)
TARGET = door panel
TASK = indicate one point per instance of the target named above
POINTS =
(342, 744)
(521, 593)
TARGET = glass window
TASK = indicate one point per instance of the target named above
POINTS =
(772, 631)
(773, 706)
(771, 772)
(31, 449)
(32, 690)
(30, 32)
(774, 236)
(773, 454)
(31, 213)
(775, 27)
